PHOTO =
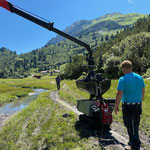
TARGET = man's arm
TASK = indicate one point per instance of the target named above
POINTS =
(143, 93)
(118, 99)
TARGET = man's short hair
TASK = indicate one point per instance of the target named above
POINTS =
(126, 64)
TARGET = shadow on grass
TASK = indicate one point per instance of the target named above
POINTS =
(103, 135)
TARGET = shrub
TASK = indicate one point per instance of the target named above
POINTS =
(75, 69)
(147, 74)
(111, 67)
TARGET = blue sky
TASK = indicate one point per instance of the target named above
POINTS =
(21, 35)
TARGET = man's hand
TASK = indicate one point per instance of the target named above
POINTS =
(116, 109)
(117, 102)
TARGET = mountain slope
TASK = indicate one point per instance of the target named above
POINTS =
(105, 23)
(73, 30)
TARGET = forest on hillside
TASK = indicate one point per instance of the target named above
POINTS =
(132, 42)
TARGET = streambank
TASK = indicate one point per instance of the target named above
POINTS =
(9, 109)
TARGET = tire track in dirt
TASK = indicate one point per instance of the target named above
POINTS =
(4, 118)
(55, 97)
(109, 139)
(116, 138)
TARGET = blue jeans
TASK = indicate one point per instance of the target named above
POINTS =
(131, 118)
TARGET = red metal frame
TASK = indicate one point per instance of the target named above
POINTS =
(4, 4)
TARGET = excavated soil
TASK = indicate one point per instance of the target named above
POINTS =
(115, 138)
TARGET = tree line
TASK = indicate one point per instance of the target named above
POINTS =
(133, 43)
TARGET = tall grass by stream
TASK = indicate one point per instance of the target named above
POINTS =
(9, 93)
(12, 89)
(41, 125)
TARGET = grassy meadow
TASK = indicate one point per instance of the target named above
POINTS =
(9, 93)
(41, 125)
(30, 82)
(12, 89)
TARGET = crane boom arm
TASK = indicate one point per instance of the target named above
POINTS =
(47, 25)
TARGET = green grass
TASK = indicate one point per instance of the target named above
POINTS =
(30, 82)
(11, 89)
(9, 93)
(121, 19)
(41, 125)
(145, 119)
(71, 93)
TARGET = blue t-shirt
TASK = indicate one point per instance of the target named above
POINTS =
(131, 84)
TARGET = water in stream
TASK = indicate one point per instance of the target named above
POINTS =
(10, 108)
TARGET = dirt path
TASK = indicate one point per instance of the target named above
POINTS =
(4, 118)
(115, 139)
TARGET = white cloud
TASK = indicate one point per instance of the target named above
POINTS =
(130, 1)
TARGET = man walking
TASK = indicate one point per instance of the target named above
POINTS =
(130, 93)
(58, 79)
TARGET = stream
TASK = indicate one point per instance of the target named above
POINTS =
(10, 108)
